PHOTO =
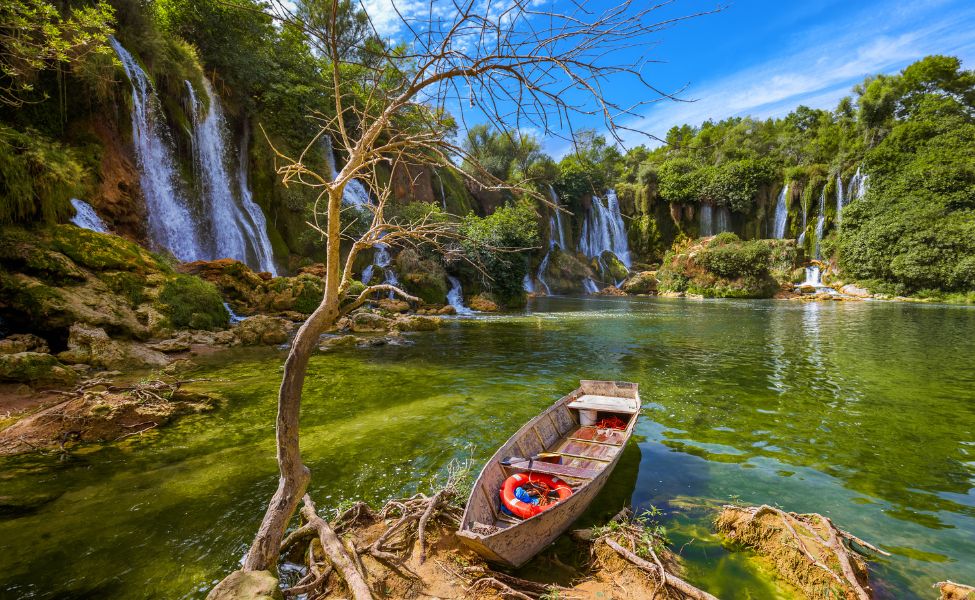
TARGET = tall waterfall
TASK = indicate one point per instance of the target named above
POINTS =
(858, 186)
(802, 235)
(235, 229)
(706, 220)
(556, 238)
(781, 213)
(86, 217)
(603, 230)
(820, 221)
(723, 220)
(170, 223)
(455, 297)
(840, 198)
(260, 239)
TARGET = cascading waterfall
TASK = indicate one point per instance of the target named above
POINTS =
(802, 235)
(236, 227)
(86, 217)
(455, 297)
(527, 284)
(443, 195)
(723, 220)
(820, 221)
(706, 220)
(556, 238)
(840, 199)
(260, 239)
(781, 214)
(170, 222)
(858, 186)
(590, 286)
(603, 231)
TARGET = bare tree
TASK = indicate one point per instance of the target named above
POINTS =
(509, 63)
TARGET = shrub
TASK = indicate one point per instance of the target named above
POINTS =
(189, 301)
(734, 260)
(499, 242)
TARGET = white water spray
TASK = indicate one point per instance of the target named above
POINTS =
(170, 222)
(781, 213)
(820, 221)
(455, 297)
(86, 217)
(603, 230)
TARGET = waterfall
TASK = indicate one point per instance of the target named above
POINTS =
(170, 223)
(858, 186)
(814, 277)
(589, 286)
(724, 220)
(781, 213)
(556, 238)
(603, 230)
(86, 217)
(354, 193)
(443, 195)
(802, 235)
(260, 239)
(706, 220)
(455, 297)
(840, 199)
(236, 229)
(234, 317)
(527, 284)
(820, 221)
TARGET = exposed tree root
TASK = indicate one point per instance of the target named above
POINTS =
(808, 549)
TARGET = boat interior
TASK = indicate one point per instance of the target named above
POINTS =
(570, 441)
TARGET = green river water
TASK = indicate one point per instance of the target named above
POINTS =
(862, 411)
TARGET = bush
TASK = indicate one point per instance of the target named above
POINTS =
(191, 302)
(733, 259)
(500, 243)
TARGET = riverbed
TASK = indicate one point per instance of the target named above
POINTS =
(862, 411)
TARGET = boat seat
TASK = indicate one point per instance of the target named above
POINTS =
(558, 470)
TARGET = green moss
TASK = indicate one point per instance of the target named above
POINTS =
(191, 302)
(103, 252)
(308, 293)
(128, 285)
(24, 251)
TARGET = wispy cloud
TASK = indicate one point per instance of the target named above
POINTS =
(821, 66)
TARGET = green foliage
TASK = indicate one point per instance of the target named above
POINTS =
(191, 302)
(499, 243)
(727, 256)
(38, 178)
(722, 267)
(35, 36)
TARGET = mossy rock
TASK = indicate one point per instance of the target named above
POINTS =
(641, 283)
(190, 302)
(308, 291)
(103, 252)
(34, 367)
(20, 250)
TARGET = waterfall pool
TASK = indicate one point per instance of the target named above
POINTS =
(862, 411)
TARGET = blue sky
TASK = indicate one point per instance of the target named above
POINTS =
(760, 57)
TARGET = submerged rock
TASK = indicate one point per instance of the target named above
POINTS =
(334, 342)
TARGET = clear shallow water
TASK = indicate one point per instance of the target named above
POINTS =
(862, 411)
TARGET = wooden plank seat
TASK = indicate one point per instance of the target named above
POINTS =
(590, 450)
(558, 470)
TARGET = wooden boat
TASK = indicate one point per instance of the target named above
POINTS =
(571, 449)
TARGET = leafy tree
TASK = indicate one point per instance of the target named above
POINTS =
(500, 243)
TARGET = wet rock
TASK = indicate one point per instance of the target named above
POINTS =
(482, 303)
(644, 282)
(447, 310)
(611, 290)
(393, 305)
(34, 367)
(366, 322)
(247, 585)
(263, 330)
(417, 323)
(334, 342)
(23, 342)
(807, 289)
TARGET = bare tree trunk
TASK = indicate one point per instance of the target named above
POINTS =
(294, 475)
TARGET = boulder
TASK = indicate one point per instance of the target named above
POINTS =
(247, 585)
(366, 322)
(644, 282)
(416, 323)
(23, 342)
(482, 303)
(447, 310)
(611, 290)
(263, 330)
(856, 292)
(393, 305)
(34, 367)
(170, 346)
(333, 342)
(92, 346)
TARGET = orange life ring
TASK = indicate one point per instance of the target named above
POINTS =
(526, 510)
